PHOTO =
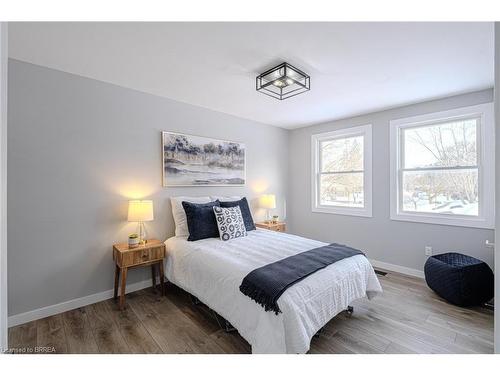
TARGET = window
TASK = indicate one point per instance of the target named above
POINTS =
(341, 180)
(442, 168)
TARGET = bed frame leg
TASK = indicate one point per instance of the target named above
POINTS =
(223, 323)
(350, 311)
(320, 331)
(194, 300)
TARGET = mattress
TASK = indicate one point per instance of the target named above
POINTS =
(212, 270)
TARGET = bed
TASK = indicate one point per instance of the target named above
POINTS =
(212, 270)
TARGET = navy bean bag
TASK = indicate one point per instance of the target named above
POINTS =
(460, 279)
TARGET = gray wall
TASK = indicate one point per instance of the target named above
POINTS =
(497, 201)
(78, 149)
(396, 242)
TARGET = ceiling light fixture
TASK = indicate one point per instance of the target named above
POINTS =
(283, 82)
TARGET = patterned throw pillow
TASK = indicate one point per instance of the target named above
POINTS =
(230, 222)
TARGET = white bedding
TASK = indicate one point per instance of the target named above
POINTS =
(212, 270)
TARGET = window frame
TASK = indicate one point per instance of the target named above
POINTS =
(316, 139)
(485, 144)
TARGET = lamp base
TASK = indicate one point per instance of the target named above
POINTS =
(142, 233)
(268, 217)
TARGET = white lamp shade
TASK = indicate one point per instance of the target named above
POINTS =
(267, 201)
(140, 210)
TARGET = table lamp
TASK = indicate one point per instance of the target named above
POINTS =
(140, 211)
(268, 201)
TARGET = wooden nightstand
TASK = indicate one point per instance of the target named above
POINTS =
(150, 254)
(280, 226)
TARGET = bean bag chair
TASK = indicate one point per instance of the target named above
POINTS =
(460, 279)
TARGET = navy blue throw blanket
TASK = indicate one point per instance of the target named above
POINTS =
(266, 284)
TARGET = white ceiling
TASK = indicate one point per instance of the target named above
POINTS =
(355, 67)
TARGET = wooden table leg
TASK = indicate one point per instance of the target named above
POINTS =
(117, 280)
(124, 283)
(153, 276)
(162, 278)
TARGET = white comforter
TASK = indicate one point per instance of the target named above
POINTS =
(212, 270)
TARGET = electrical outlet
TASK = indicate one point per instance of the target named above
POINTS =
(428, 251)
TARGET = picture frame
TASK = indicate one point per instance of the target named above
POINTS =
(192, 160)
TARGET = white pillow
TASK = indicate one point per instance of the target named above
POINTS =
(180, 220)
(226, 199)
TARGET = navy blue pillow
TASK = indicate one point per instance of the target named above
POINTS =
(201, 220)
(245, 212)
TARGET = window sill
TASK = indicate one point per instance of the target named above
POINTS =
(348, 211)
(450, 221)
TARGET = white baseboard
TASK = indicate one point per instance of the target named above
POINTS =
(44, 312)
(397, 268)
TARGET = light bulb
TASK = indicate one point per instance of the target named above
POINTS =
(289, 81)
(278, 83)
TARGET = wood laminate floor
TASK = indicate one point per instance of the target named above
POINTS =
(407, 318)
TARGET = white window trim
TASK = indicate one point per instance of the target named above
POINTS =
(486, 167)
(366, 211)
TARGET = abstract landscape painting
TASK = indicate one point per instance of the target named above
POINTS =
(189, 160)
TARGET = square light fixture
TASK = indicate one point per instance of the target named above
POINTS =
(283, 82)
